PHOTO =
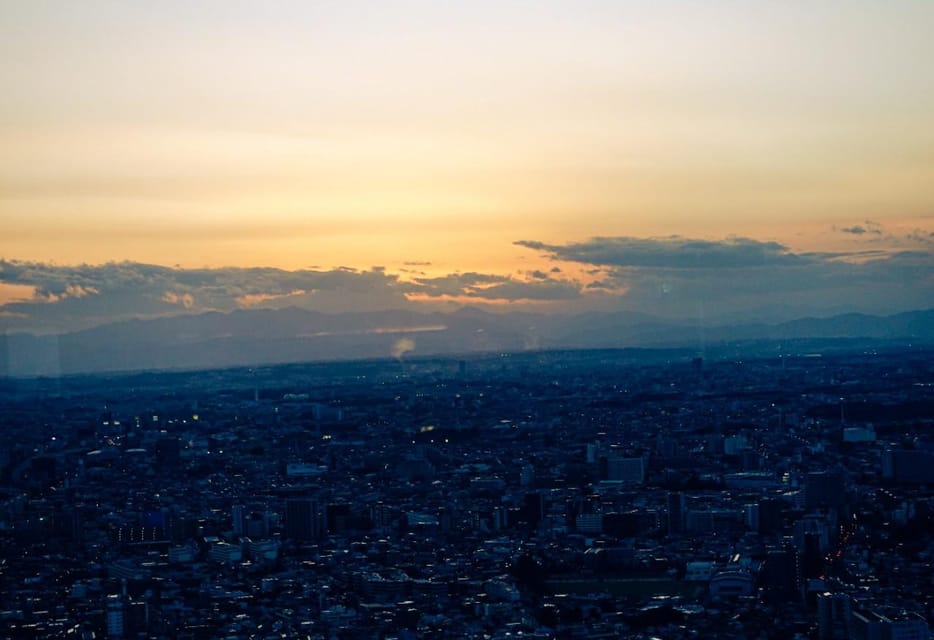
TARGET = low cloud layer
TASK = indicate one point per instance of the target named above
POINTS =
(71, 297)
(871, 233)
(678, 277)
(673, 252)
(494, 287)
(670, 277)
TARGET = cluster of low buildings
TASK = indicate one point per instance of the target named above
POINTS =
(591, 494)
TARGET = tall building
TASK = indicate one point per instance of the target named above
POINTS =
(631, 470)
(771, 515)
(676, 512)
(908, 466)
(590, 523)
(593, 453)
(824, 489)
(301, 519)
(136, 617)
(338, 517)
(875, 625)
(115, 626)
(833, 615)
(238, 517)
(812, 560)
(226, 553)
(533, 509)
(751, 513)
(780, 574)
(168, 452)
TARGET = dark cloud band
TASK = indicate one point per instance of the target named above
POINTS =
(673, 252)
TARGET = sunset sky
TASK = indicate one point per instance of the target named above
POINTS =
(498, 151)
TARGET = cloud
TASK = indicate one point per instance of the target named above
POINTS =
(186, 300)
(69, 297)
(605, 285)
(497, 287)
(78, 296)
(453, 284)
(890, 238)
(516, 290)
(869, 227)
(679, 277)
(673, 252)
(921, 236)
(671, 277)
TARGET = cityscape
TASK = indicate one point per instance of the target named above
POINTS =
(480, 320)
(749, 492)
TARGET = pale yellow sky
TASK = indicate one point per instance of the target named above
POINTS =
(292, 134)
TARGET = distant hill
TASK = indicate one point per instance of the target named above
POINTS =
(265, 336)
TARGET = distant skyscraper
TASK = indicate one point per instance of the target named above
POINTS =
(625, 470)
(168, 453)
(115, 627)
(301, 519)
(534, 508)
(238, 516)
(833, 615)
(871, 624)
(812, 561)
(770, 515)
(824, 488)
(338, 517)
(780, 574)
(676, 512)
(908, 466)
(527, 475)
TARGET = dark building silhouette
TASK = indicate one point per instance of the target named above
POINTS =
(812, 561)
(824, 489)
(780, 575)
(534, 509)
(337, 517)
(168, 453)
(770, 515)
(676, 512)
(833, 615)
(908, 466)
(301, 519)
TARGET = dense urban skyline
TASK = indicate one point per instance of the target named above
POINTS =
(477, 320)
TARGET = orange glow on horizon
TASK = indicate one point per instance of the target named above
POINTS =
(175, 133)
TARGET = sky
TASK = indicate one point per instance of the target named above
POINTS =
(660, 156)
